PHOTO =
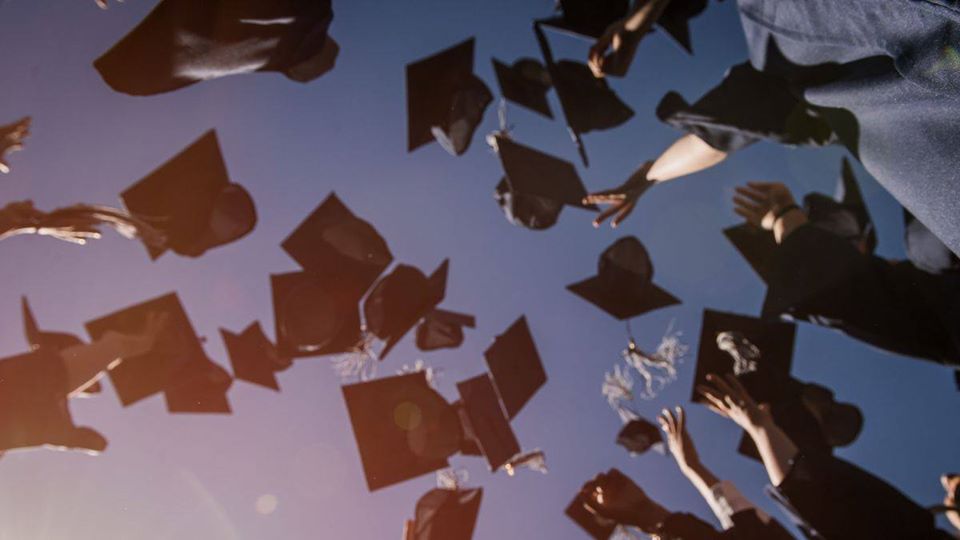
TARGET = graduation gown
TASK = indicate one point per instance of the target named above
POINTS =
(836, 500)
(880, 74)
(821, 278)
(182, 42)
(746, 526)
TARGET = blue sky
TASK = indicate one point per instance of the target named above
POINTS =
(199, 477)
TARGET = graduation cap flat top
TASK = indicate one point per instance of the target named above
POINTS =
(536, 185)
(445, 514)
(253, 357)
(515, 366)
(58, 341)
(181, 196)
(199, 387)
(623, 285)
(403, 428)
(773, 339)
(445, 100)
(314, 317)
(525, 83)
(334, 243)
(485, 421)
(175, 347)
(401, 299)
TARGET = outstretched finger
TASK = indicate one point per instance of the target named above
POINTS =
(623, 214)
(603, 216)
(607, 196)
(742, 392)
(681, 420)
(740, 202)
(755, 195)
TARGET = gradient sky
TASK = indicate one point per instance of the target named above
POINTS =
(200, 477)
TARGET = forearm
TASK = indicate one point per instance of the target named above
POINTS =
(689, 154)
(86, 363)
(776, 449)
(701, 477)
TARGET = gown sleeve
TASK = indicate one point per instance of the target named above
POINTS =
(819, 277)
(747, 106)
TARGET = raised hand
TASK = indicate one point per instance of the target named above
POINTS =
(760, 202)
(622, 199)
(11, 140)
(678, 439)
(727, 397)
(613, 496)
(951, 484)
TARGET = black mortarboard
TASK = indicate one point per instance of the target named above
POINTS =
(199, 387)
(174, 348)
(485, 421)
(772, 339)
(845, 214)
(515, 366)
(314, 317)
(181, 197)
(598, 527)
(675, 21)
(536, 186)
(445, 514)
(33, 405)
(400, 300)
(623, 286)
(754, 244)
(253, 357)
(525, 83)
(334, 243)
(182, 42)
(58, 341)
(445, 100)
(442, 329)
(403, 428)
(639, 435)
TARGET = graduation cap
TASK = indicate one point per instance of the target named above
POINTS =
(182, 42)
(623, 286)
(401, 299)
(199, 387)
(402, 426)
(445, 100)
(333, 243)
(845, 214)
(445, 514)
(191, 200)
(58, 341)
(754, 244)
(771, 343)
(597, 526)
(176, 347)
(639, 435)
(485, 421)
(33, 405)
(314, 317)
(525, 83)
(253, 357)
(515, 366)
(536, 186)
(675, 21)
(442, 329)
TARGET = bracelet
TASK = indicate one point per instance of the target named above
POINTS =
(784, 211)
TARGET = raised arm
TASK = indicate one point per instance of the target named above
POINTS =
(623, 37)
(728, 398)
(87, 363)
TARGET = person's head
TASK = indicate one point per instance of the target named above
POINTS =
(234, 215)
